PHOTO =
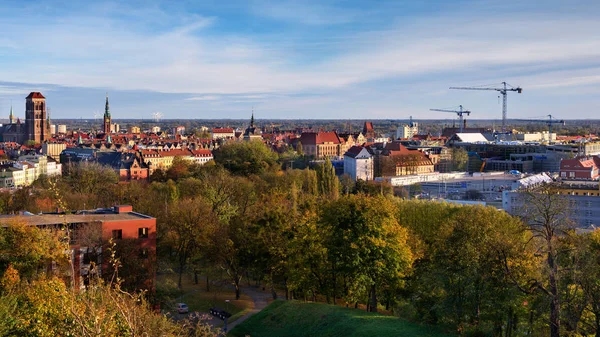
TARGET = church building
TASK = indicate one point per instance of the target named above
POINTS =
(37, 123)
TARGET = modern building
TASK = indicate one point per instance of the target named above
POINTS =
(583, 202)
(53, 150)
(407, 131)
(121, 224)
(27, 169)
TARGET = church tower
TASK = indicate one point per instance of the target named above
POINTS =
(11, 117)
(35, 117)
(107, 118)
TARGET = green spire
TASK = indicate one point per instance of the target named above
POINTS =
(252, 119)
(106, 108)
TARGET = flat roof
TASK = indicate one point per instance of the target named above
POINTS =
(53, 219)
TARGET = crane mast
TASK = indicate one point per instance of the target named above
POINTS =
(504, 89)
(459, 112)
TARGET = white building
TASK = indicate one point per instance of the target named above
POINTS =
(62, 128)
(218, 133)
(407, 130)
(115, 128)
(155, 129)
(358, 163)
(27, 169)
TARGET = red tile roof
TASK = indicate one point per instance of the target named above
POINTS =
(222, 130)
(35, 94)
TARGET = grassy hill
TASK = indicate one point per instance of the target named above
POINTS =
(298, 319)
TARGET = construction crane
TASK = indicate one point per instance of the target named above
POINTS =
(459, 112)
(504, 89)
(548, 121)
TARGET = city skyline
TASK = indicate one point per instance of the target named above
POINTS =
(293, 60)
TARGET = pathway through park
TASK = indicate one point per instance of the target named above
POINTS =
(260, 300)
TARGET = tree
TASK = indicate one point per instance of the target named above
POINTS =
(246, 158)
(28, 249)
(191, 220)
(547, 214)
(460, 158)
(327, 180)
(365, 244)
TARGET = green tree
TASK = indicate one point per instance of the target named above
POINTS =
(246, 158)
(328, 182)
(365, 244)
(191, 220)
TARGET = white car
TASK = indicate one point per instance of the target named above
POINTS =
(182, 308)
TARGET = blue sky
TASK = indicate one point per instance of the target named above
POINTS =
(300, 59)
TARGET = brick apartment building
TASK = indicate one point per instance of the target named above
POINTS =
(134, 235)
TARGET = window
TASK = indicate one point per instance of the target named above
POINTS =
(143, 233)
(117, 234)
(572, 174)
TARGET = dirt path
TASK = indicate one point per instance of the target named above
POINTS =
(260, 299)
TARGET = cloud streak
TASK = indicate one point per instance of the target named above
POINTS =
(190, 55)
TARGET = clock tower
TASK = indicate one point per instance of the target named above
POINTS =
(107, 119)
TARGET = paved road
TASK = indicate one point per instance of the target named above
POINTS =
(260, 300)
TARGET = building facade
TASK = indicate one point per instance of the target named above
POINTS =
(37, 123)
(133, 233)
(358, 163)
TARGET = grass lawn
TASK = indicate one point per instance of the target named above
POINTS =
(198, 299)
(298, 319)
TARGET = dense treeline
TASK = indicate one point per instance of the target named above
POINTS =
(475, 270)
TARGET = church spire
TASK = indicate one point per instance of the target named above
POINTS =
(252, 118)
(11, 117)
(106, 108)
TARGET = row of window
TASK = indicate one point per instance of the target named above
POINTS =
(117, 234)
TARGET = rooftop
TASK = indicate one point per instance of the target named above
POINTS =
(117, 213)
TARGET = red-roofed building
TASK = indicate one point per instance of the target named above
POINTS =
(397, 160)
(584, 168)
(322, 144)
(218, 133)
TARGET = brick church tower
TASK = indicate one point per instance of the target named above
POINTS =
(35, 118)
(107, 118)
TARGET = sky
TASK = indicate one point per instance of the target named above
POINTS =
(301, 59)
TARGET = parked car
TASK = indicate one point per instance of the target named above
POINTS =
(182, 308)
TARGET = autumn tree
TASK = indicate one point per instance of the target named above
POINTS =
(547, 214)
(188, 228)
(365, 243)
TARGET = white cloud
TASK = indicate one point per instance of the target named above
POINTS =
(104, 52)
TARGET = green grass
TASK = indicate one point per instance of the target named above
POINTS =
(198, 299)
(298, 319)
